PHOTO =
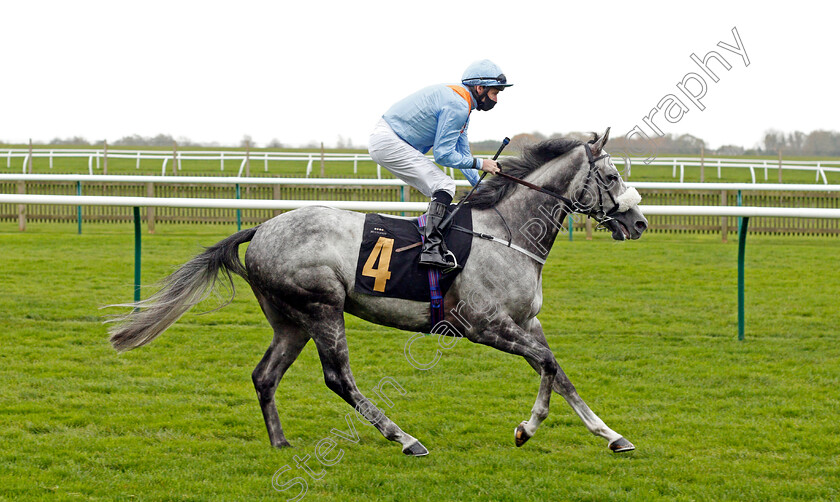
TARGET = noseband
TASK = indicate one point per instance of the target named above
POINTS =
(573, 206)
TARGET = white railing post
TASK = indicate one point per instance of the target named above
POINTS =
(765, 170)
(718, 168)
(266, 161)
(90, 164)
(9, 160)
(51, 159)
(97, 159)
(752, 172)
(138, 160)
(378, 172)
(223, 161)
(163, 167)
(674, 173)
(356, 164)
(309, 166)
(179, 161)
(682, 173)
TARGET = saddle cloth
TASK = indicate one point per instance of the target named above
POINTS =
(388, 257)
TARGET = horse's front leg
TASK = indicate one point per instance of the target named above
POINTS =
(509, 337)
(563, 386)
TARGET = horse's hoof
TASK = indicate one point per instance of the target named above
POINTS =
(520, 435)
(282, 444)
(416, 450)
(620, 445)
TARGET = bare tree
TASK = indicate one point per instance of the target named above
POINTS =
(75, 140)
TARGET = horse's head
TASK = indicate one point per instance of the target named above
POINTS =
(580, 177)
(602, 194)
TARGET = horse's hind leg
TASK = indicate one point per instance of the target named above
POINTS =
(328, 334)
(563, 386)
(285, 347)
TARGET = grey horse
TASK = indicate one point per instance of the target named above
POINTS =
(301, 266)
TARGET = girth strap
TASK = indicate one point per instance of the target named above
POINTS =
(492, 238)
(435, 293)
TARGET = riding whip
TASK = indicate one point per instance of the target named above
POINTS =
(448, 219)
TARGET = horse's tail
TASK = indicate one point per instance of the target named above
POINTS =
(179, 292)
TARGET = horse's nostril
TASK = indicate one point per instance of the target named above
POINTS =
(641, 226)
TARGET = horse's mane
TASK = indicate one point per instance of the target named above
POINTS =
(493, 190)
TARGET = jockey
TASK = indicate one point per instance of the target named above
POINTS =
(437, 117)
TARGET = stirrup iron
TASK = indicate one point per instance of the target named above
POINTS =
(454, 261)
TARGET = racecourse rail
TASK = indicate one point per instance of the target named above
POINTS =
(262, 201)
(745, 213)
(239, 180)
(244, 158)
(729, 194)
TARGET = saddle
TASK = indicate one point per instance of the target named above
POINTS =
(389, 255)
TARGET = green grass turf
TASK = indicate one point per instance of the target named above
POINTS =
(646, 330)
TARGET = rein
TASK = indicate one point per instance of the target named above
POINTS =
(574, 206)
(532, 186)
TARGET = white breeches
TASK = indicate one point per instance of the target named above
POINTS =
(403, 161)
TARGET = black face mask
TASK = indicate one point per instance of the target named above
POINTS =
(485, 103)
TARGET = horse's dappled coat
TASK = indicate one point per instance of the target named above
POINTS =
(301, 267)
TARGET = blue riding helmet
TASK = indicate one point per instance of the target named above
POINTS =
(484, 72)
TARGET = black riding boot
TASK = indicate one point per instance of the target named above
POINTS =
(434, 253)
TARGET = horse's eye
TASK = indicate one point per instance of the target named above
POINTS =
(612, 177)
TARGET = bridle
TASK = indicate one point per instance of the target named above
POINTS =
(571, 206)
(574, 206)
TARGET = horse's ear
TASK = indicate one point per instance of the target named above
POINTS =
(599, 145)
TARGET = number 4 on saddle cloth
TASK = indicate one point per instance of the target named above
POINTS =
(389, 257)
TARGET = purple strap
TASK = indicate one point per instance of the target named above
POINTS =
(436, 303)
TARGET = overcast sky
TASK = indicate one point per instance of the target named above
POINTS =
(310, 71)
